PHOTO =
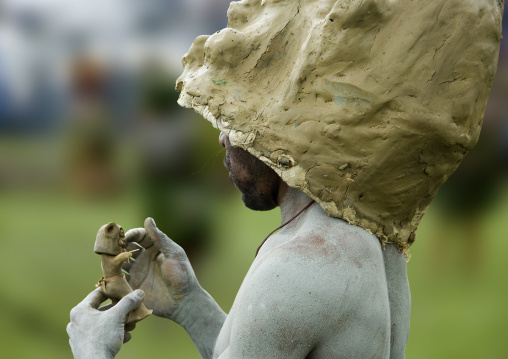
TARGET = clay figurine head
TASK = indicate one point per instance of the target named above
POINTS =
(110, 240)
(367, 106)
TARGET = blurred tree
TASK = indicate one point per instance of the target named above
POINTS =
(92, 138)
(175, 198)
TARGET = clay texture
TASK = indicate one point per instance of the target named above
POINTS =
(366, 106)
(110, 244)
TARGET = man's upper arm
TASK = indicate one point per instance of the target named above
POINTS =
(285, 307)
(310, 294)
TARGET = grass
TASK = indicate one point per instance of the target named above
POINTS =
(48, 266)
(460, 289)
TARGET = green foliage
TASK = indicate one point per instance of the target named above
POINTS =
(157, 92)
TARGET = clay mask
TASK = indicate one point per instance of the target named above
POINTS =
(366, 106)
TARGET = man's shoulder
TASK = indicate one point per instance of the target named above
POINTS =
(330, 238)
(315, 270)
(323, 251)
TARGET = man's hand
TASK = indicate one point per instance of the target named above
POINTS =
(162, 270)
(95, 333)
(171, 288)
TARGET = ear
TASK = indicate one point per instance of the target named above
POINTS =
(111, 230)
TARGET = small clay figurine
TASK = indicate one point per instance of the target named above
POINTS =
(110, 244)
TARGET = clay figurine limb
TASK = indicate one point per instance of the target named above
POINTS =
(99, 334)
(164, 273)
(110, 244)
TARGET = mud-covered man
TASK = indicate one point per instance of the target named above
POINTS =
(318, 288)
(349, 115)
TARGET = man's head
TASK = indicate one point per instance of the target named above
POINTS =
(257, 182)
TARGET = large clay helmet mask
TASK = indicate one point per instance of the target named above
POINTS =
(366, 106)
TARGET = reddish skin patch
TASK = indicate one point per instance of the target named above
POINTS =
(316, 246)
(317, 240)
(357, 263)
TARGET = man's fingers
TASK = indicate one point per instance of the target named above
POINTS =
(126, 337)
(128, 327)
(94, 299)
(135, 235)
(165, 245)
(126, 304)
(137, 238)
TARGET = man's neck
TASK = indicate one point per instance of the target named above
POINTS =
(291, 201)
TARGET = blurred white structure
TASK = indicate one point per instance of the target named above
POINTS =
(40, 38)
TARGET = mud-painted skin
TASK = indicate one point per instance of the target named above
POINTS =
(319, 288)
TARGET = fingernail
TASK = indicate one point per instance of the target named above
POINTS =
(153, 222)
(140, 293)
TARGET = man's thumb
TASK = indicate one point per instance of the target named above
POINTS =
(129, 302)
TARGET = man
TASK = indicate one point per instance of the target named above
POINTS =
(319, 288)
(348, 115)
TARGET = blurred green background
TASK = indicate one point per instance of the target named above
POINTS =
(107, 142)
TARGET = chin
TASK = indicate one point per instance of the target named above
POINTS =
(258, 203)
